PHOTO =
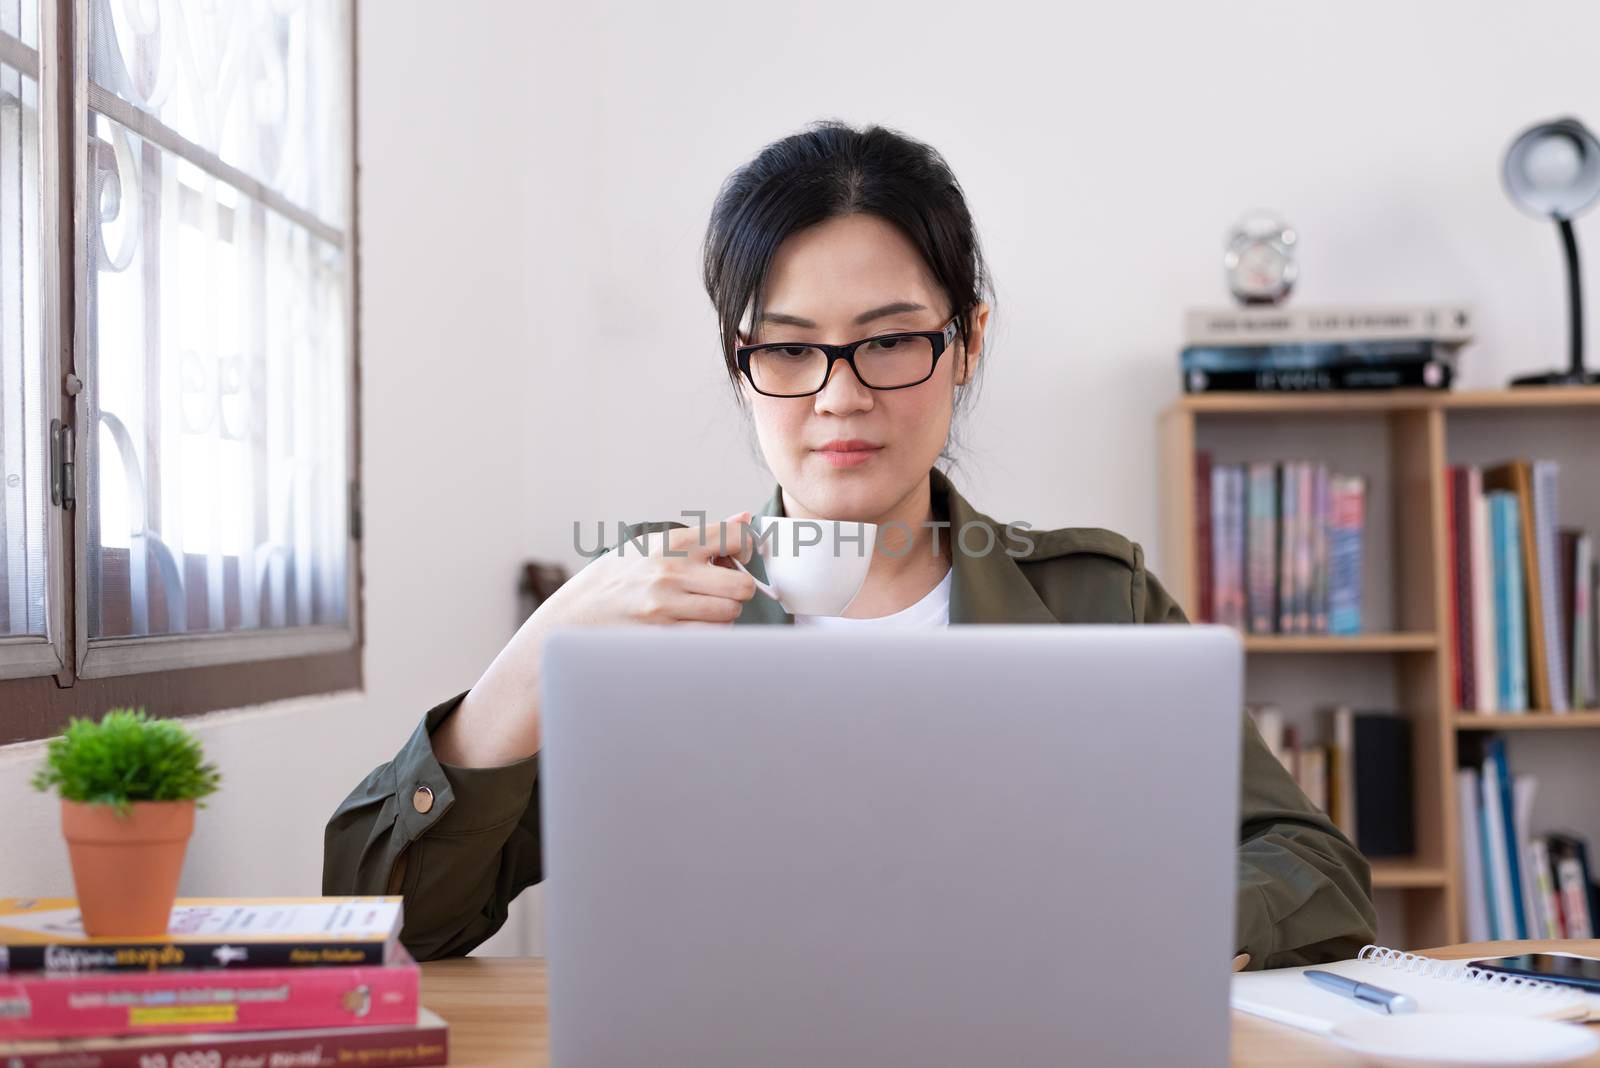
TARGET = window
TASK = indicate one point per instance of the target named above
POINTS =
(30, 554)
(181, 517)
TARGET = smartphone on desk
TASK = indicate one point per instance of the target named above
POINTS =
(1581, 972)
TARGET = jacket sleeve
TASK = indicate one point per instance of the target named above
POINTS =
(1305, 891)
(460, 863)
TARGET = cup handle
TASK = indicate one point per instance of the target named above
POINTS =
(762, 586)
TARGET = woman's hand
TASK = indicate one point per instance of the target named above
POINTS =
(497, 723)
(628, 585)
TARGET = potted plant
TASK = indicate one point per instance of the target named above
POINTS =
(129, 785)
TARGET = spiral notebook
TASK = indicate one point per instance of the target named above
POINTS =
(1286, 996)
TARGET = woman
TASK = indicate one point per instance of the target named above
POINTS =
(828, 236)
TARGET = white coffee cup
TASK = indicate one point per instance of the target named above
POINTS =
(815, 567)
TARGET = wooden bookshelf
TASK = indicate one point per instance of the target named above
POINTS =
(1403, 441)
(1389, 400)
(1406, 875)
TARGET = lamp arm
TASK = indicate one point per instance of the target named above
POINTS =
(1569, 242)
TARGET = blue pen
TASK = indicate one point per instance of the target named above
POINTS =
(1374, 996)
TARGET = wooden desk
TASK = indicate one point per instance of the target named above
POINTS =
(496, 1010)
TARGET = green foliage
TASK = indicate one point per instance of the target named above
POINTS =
(126, 757)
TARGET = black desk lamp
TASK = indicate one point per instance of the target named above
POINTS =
(1552, 171)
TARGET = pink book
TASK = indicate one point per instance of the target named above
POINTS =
(421, 1045)
(65, 1005)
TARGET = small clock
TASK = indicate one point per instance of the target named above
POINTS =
(1259, 261)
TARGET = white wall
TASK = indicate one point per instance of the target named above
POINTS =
(537, 349)
(1105, 149)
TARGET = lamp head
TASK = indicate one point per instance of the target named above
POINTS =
(1552, 170)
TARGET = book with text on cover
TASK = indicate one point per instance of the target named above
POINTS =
(420, 1045)
(46, 934)
(1316, 366)
(1449, 324)
(84, 1004)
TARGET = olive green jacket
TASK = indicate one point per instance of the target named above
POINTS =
(461, 855)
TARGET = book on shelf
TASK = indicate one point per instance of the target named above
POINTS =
(1502, 796)
(1341, 759)
(1360, 775)
(1578, 899)
(1472, 849)
(1524, 593)
(1321, 380)
(1516, 883)
(1533, 488)
(1547, 902)
(1504, 920)
(1269, 724)
(1381, 769)
(1347, 529)
(1283, 517)
(421, 1044)
(1547, 576)
(1449, 324)
(1227, 537)
(1316, 367)
(1322, 489)
(1283, 546)
(1268, 535)
(1511, 650)
(1463, 665)
(1580, 622)
(1309, 356)
(1313, 768)
(1523, 788)
(44, 933)
(1482, 620)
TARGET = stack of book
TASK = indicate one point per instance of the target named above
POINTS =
(1273, 350)
(1360, 777)
(1517, 884)
(235, 983)
(1524, 594)
(1280, 546)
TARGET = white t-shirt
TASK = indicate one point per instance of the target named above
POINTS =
(932, 611)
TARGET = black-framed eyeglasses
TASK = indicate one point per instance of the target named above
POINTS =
(888, 361)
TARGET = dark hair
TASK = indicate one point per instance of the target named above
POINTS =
(828, 170)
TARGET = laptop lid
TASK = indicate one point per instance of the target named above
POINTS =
(977, 845)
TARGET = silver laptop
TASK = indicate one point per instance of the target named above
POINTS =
(995, 845)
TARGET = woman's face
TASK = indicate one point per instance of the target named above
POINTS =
(852, 277)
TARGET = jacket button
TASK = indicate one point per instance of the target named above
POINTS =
(422, 800)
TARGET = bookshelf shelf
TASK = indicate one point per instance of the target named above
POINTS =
(1574, 397)
(1403, 442)
(1282, 403)
(1407, 875)
(1388, 401)
(1352, 643)
(1520, 721)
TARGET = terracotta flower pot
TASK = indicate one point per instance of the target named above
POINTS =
(126, 868)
